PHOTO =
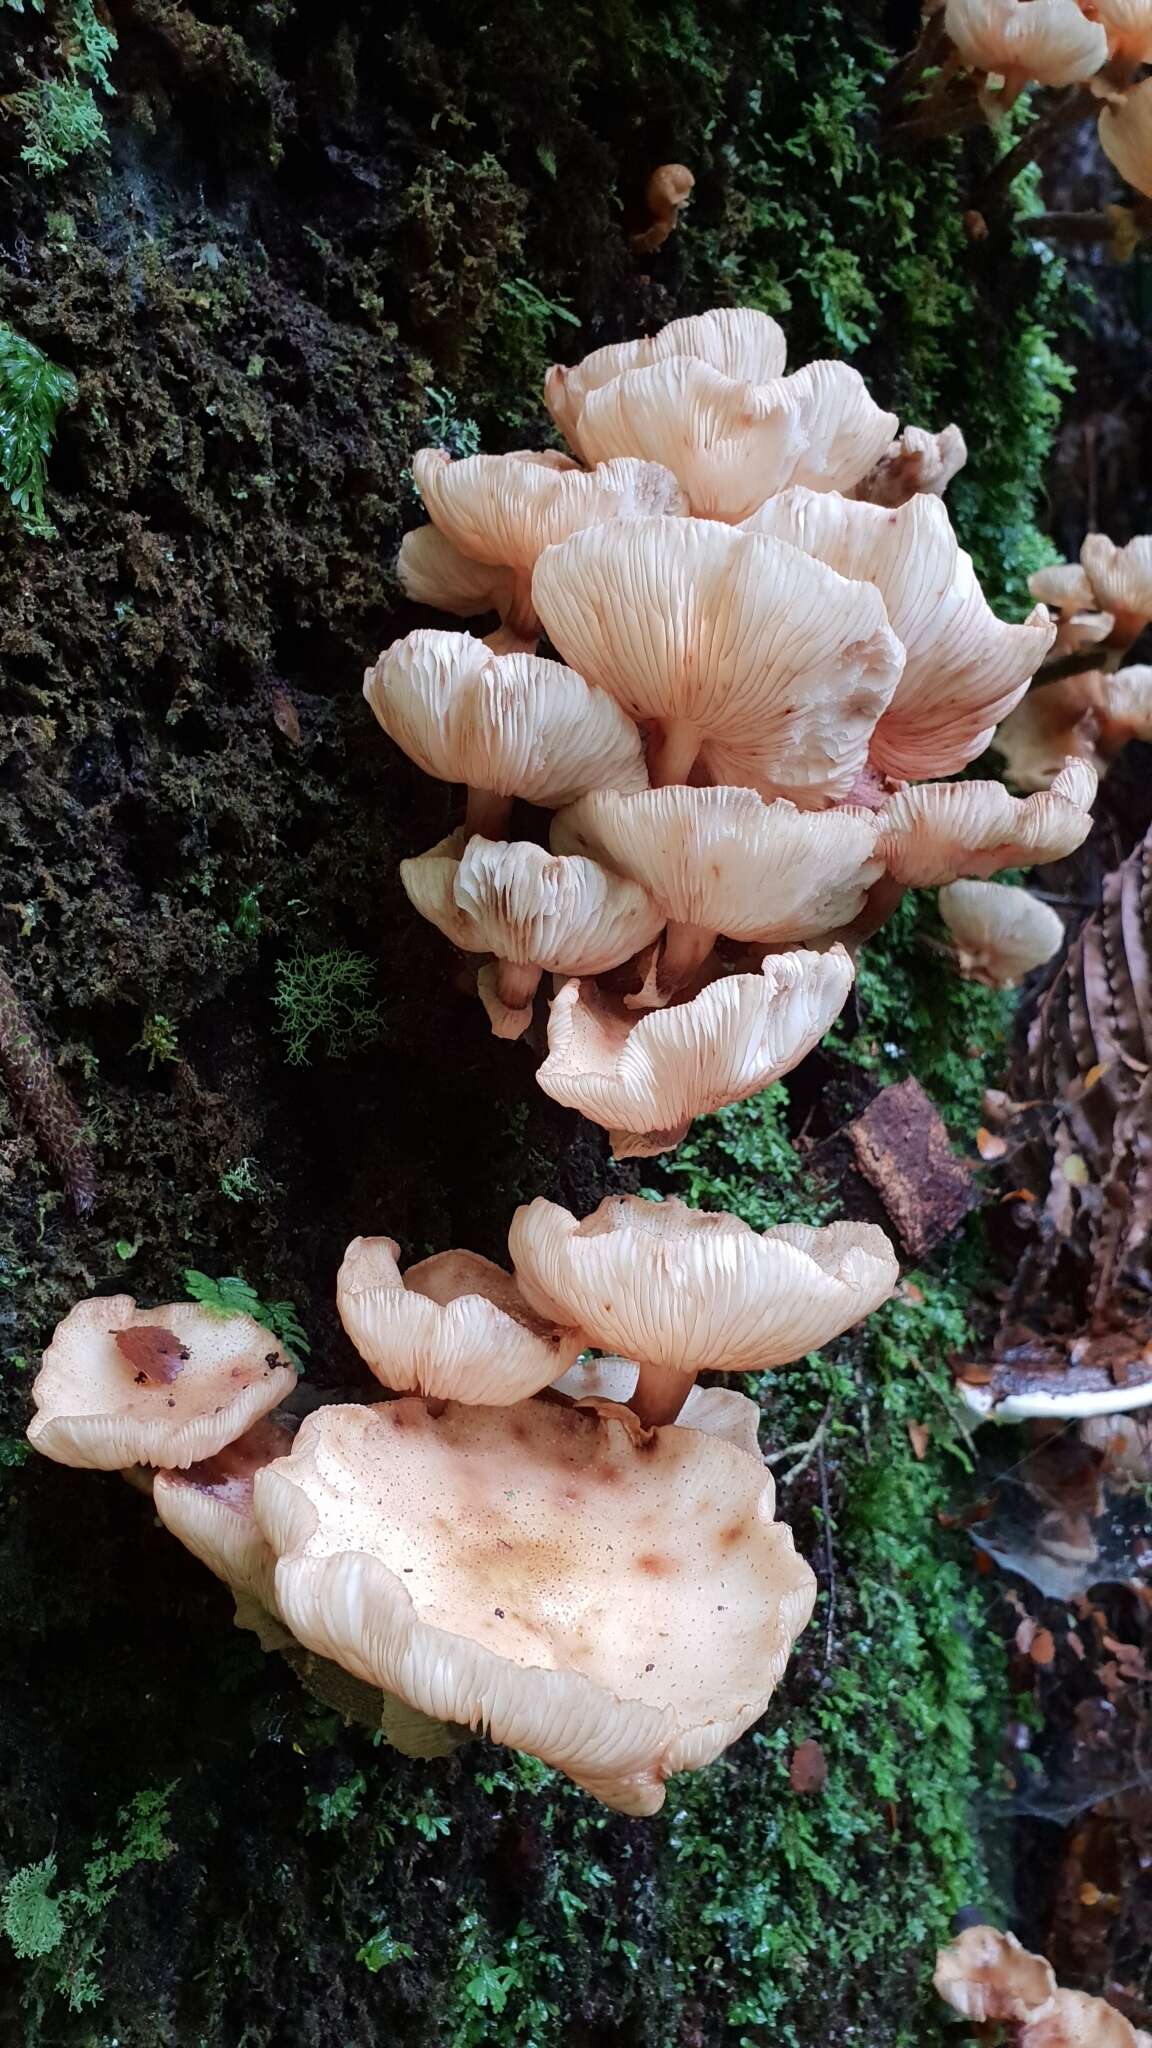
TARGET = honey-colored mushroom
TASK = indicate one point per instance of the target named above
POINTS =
(1049, 41)
(1001, 933)
(1121, 577)
(208, 1508)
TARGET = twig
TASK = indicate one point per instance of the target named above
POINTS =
(829, 1558)
(808, 1449)
(1070, 107)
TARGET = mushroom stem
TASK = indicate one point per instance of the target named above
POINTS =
(516, 983)
(659, 1394)
(686, 947)
(487, 814)
(672, 751)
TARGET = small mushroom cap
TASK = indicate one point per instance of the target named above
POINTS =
(1125, 129)
(917, 461)
(1002, 932)
(1121, 577)
(97, 1408)
(1048, 40)
(208, 1508)
(433, 572)
(964, 668)
(942, 830)
(644, 1079)
(558, 912)
(732, 445)
(1072, 2019)
(514, 724)
(1128, 26)
(698, 1292)
(726, 861)
(1090, 715)
(741, 343)
(782, 666)
(506, 508)
(547, 1574)
(717, 1411)
(987, 1976)
(454, 1326)
(1065, 586)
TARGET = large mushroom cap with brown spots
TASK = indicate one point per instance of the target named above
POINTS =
(121, 1385)
(616, 1601)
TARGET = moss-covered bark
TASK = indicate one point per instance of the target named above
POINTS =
(315, 239)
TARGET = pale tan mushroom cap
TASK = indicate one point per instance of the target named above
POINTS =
(943, 830)
(1072, 2019)
(1048, 40)
(1125, 699)
(1002, 932)
(620, 1604)
(507, 508)
(1120, 577)
(208, 1508)
(514, 724)
(1126, 137)
(697, 1292)
(1065, 586)
(91, 1412)
(1049, 726)
(455, 1326)
(1128, 24)
(732, 445)
(964, 668)
(558, 912)
(775, 660)
(986, 1976)
(717, 1411)
(741, 343)
(644, 1079)
(726, 861)
(917, 460)
(433, 572)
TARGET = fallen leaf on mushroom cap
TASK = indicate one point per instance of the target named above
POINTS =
(738, 645)
(917, 461)
(619, 1604)
(454, 1326)
(964, 668)
(508, 725)
(504, 509)
(208, 1508)
(940, 831)
(1125, 130)
(1001, 932)
(536, 912)
(1121, 577)
(723, 860)
(683, 1292)
(718, 1411)
(644, 1079)
(736, 340)
(1050, 41)
(157, 1354)
(95, 1407)
(732, 444)
(986, 1976)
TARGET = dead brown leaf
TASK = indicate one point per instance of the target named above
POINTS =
(918, 1437)
(808, 1770)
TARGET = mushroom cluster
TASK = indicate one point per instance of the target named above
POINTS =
(771, 646)
(989, 1978)
(576, 1555)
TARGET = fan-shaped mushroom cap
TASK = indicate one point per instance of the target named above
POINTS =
(964, 667)
(1128, 26)
(731, 444)
(1002, 933)
(510, 724)
(1125, 129)
(433, 572)
(503, 509)
(735, 643)
(208, 1508)
(1072, 2019)
(121, 1385)
(1091, 715)
(645, 1079)
(547, 1574)
(1048, 40)
(1065, 586)
(986, 1976)
(917, 461)
(942, 830)
(717, 1411)
(684, 1292)
(741, 343)
(1121, 578)
(537, 912)
(453, 1326)
(725, 861)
